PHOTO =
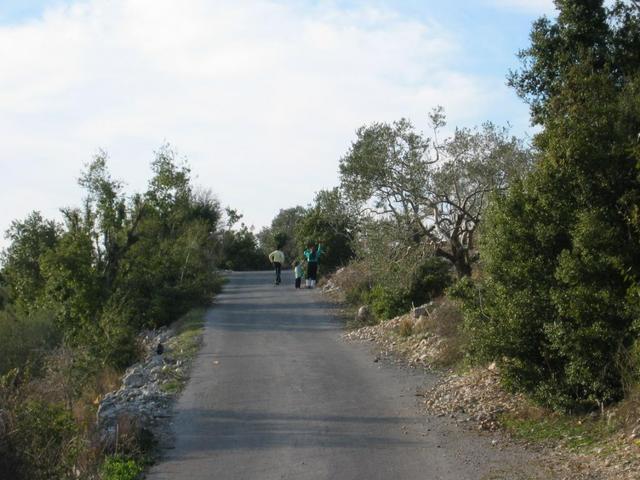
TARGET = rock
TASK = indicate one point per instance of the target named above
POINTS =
(420, 311)
(363, 315)
(134, 378)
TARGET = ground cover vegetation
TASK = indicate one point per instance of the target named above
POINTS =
(75, 295)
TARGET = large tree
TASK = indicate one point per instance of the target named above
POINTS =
(561, 255)
(435, 190)
(282, 233)
(29, 239)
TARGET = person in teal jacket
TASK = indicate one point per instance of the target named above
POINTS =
(312, 254)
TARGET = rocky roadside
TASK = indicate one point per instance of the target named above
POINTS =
(476, 400)
(143, 403)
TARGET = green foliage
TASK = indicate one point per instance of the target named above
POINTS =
(240, 251)
(120, 468)
(25, 339)
(72, 283)
(429, 280)
(118, 264)
(42, 444)
(559, 250)
(283, 232)
(387, 302)
(434, 192)
(389, 299)
(21, 272)
(329, 222)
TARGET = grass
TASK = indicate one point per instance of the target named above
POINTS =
(185, 345)
(405, 328)
(575, 433)
(188, 330)
(172, 386)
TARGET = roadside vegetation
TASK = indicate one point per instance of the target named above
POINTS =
(534, 245)
(522, 258)
(75, 295)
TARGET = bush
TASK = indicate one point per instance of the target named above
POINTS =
(552, 309)
(561, 249)
(25, 339)
(120, 468)
(387, 302)
(43, 443)
(429, 280)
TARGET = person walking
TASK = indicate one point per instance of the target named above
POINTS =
(277, 259)
(298, 273)
(312, 254)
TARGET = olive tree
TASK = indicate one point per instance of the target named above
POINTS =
(435, 190)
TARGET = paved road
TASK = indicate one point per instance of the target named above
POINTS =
(275, 393)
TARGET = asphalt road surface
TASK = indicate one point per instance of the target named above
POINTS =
(275, 393)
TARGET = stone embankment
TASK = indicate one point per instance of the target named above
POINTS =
(144, 400)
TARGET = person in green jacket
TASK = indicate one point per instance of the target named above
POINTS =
(312, 254)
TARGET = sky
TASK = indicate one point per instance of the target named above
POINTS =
(261, 97)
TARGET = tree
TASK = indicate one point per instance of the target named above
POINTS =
(329, 221)
(282, 233)
(560, 252)
(435, 191)
(21, 273)
(240, 251)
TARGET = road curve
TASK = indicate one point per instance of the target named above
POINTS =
(276, 394)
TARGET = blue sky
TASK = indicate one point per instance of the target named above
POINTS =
(262, 96)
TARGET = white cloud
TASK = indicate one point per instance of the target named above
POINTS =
(528, 6)
(261, 96)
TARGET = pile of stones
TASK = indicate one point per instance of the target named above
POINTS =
(141, 402)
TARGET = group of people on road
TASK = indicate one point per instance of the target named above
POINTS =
(311, 256)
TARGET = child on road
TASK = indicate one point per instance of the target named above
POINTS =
(298, 272)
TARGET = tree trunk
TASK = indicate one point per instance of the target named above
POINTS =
(463, 267)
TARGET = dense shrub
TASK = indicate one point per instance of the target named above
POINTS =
(560, 251)
(240, 251)
(429, 280)
(118, 264)
(387, 302)
(25, 339)
(42, 444)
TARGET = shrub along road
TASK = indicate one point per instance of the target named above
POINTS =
(275, 393)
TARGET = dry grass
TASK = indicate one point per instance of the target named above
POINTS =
(405, 327)
(444, 319)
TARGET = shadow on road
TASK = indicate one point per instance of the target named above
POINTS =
(232, 430)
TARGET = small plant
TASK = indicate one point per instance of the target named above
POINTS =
(120, 468)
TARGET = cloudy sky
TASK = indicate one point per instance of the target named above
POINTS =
(261, 96)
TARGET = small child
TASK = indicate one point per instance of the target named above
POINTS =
(297, 271)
